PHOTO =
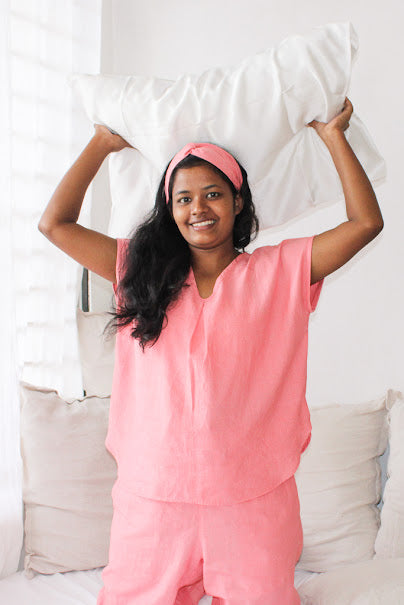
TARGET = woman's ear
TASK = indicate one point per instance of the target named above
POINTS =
(238, 203)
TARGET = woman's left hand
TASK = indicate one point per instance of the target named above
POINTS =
(340, 122)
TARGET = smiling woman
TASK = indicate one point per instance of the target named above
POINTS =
(226, 333)
(169, 242)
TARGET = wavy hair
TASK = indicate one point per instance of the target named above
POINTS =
(158, 259)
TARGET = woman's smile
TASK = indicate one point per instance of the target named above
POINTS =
(203, 225)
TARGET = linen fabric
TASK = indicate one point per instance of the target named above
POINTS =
(257, 110)
(67, 480)
(215, 411)
(390, 537)
(339, 483)
(175, 552)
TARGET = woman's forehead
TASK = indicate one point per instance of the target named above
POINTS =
(195, 177)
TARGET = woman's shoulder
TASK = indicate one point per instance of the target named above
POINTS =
(266, 250)
(291, 243)
(287, 253)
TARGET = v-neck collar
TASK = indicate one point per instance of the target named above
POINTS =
(218, 279)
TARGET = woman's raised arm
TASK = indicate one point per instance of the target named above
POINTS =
(93, 250)
(333, 248)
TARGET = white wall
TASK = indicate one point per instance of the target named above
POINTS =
(356, 333)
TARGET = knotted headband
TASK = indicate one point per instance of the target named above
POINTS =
(213, 154)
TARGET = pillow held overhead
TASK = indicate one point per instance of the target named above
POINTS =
(257, 110)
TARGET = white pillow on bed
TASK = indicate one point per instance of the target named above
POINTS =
(257, 110)
(339, 483)
(68, 475)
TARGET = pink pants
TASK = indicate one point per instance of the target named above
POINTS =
(173, 553)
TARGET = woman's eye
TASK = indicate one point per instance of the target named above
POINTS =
(215, 193)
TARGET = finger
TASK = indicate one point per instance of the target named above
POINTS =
(348, 110)
(348, 103)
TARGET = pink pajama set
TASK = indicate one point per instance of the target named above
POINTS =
(207, 427)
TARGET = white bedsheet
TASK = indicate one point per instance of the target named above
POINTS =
(70, 588)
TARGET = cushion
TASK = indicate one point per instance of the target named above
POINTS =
(365, 583)
(97, 352)
(257, 110)
(339, 484)
(390, 537)
(68, 476)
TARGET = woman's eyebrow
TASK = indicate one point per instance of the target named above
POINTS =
(186, 190)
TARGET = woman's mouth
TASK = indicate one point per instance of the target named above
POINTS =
(202, 225)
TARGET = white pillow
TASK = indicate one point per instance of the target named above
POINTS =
(339, 484)
(68, 476)
(365, 583)
(257, 110)
(97, 352)
(390, 538)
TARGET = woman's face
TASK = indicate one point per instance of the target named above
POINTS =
(200, 194)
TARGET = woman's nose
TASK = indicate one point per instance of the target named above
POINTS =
(198, 202)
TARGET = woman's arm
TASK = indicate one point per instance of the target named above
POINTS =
(333, 248)
(91, 249)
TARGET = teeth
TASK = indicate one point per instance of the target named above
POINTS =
(205, 223)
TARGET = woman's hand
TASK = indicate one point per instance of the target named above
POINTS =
(340, 122)
(113, 142)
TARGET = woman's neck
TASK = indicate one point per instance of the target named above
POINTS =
(210, 263)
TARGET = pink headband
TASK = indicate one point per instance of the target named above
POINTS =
(213, 154)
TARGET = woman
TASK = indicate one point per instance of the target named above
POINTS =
(208, 415)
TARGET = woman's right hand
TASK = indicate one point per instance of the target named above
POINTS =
(113, 142)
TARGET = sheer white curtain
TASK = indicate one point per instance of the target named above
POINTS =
(41, 43)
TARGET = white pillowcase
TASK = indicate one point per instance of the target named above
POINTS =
(257, 110)
(390, 538)
(339, 484)
(365, 583)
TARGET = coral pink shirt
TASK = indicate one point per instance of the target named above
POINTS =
(215, 412)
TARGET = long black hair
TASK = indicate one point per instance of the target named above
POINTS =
(158, 259)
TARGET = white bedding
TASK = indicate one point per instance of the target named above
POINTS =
(256, 109)
(70, 588)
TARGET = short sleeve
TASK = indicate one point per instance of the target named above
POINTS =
(296, 258)
(314, 289)
(122, 246)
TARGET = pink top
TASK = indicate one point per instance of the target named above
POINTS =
(215, 412)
